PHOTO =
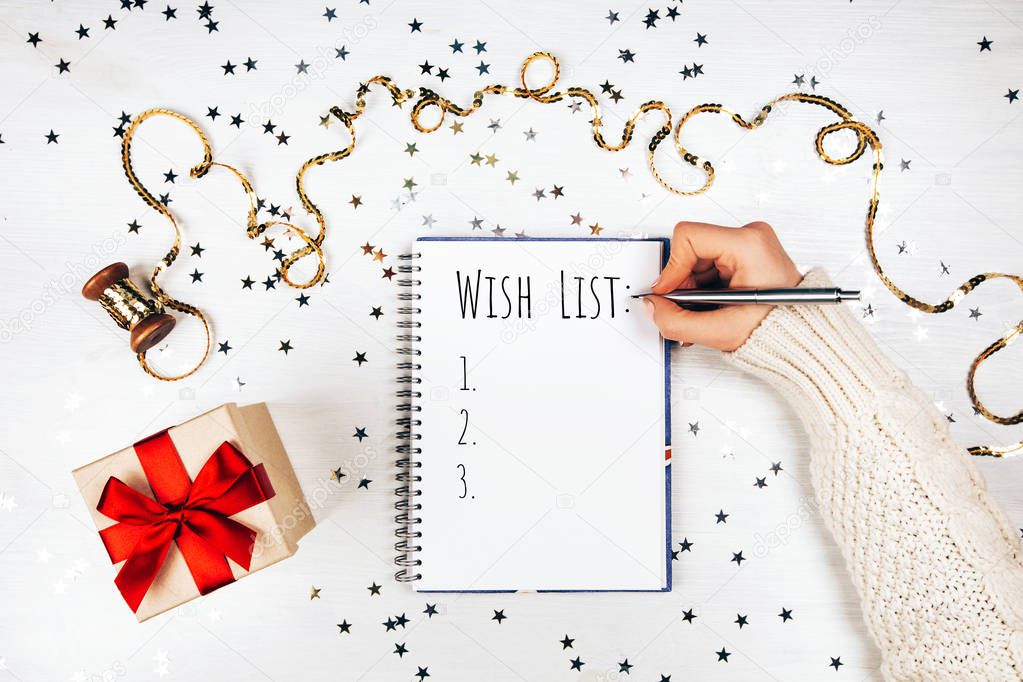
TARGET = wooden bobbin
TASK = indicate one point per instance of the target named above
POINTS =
(147, 331)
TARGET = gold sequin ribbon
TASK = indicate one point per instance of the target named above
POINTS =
(255, 229)
(866, 139)
(126, 305)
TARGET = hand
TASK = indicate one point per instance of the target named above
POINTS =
(712, 256)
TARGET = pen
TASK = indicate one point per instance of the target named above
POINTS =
(807, 296)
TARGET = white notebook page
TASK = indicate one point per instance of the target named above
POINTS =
(543, 435)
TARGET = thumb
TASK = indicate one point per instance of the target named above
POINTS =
(725, 328)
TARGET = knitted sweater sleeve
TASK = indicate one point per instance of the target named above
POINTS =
(934, 560)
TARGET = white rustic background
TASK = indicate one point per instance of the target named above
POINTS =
(72, 391)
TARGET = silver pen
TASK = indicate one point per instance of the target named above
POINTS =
(782, 296)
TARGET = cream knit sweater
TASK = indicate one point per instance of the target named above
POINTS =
(934, 560)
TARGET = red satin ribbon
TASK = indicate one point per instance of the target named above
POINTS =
(194, 514)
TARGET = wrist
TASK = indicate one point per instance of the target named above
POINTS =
(820, 358)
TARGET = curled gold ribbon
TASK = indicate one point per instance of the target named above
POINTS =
(126, 305)
(172, 254)
(255, 229)
(866, 139)
(428, 99)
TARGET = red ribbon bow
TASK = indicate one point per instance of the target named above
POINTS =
(194, 514)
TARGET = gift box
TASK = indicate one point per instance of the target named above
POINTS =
(196, 506)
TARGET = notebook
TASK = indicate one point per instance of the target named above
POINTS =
(535, 433)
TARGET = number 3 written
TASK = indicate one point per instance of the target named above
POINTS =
(465, 486)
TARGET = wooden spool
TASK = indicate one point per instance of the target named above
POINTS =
(145, 331)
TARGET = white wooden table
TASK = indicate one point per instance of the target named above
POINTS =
(72, 392)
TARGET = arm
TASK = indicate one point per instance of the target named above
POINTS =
(934, 561)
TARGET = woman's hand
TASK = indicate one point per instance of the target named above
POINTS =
(712, 256)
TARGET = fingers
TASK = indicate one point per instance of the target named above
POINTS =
(696, 248)
(708, 279)
(704, 255)
(725, 328)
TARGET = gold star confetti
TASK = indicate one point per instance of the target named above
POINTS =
(491, 159)
(595, 228)
(476, 158)
(367, 248)
(314, 593)
(456, 127)
(379, 255)
(513, 177)
(356, 200)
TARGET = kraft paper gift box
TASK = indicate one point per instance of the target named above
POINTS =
(246, 499)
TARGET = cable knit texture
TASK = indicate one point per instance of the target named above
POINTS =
(934, 560)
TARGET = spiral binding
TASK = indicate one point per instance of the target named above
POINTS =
(408, 411)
